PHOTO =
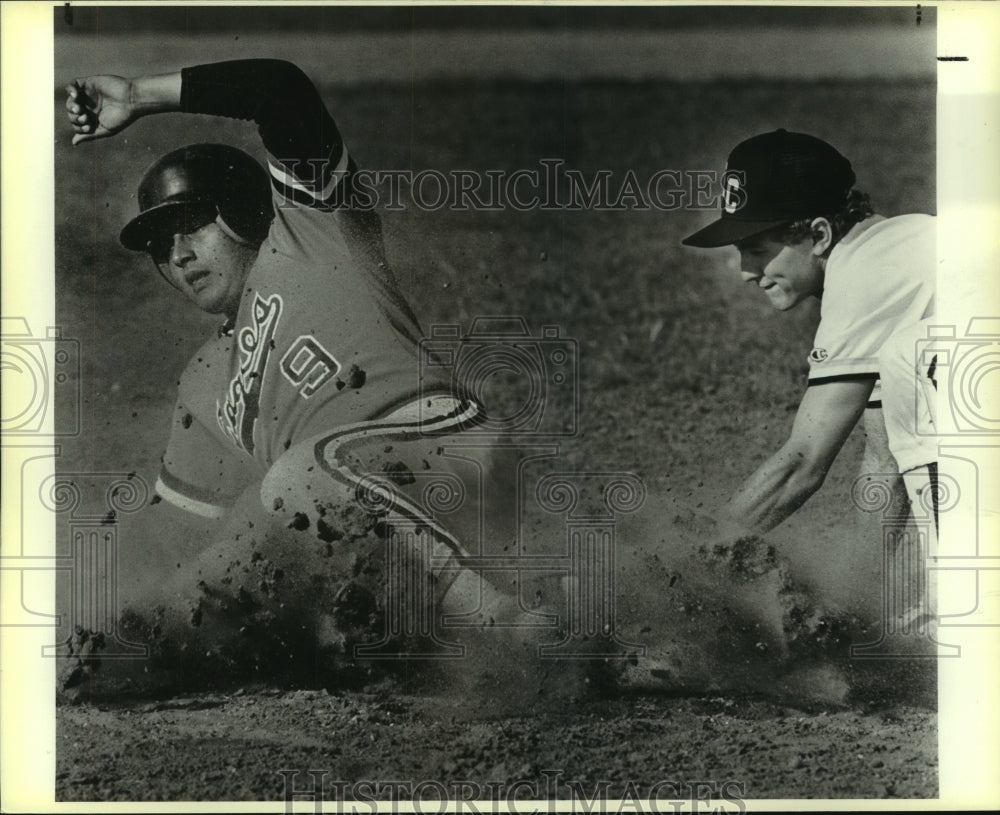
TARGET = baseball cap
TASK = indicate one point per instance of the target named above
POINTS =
(772, 179)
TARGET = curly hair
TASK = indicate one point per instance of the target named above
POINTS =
(856, 208)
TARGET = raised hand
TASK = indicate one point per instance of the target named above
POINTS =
(99, 106)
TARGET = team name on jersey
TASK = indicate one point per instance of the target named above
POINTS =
(238, 413)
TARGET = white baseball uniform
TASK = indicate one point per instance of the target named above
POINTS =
(877, 286)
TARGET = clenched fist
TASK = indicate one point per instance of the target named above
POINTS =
(99, 106)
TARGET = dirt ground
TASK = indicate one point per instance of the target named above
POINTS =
(685, 380)
(235, 747)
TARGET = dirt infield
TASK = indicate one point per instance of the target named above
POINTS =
(236, 747)
(686, 381)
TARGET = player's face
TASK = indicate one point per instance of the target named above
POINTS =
(787, 274)
(208, 267)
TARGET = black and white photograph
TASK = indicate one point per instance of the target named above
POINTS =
(494, 408)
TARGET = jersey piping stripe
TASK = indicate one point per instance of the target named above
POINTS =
(186, 502)
(428, 394)
(411, 427)
(303, 198)
(288, 180)
(819, 380)
(461, 415)
(457, 414)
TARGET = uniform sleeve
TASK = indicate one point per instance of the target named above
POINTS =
(199, 474)
(847, 345)
(308, 162)
(312, 174)
(871, 289)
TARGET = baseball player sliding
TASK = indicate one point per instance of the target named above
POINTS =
(306, 401)
(802, 231)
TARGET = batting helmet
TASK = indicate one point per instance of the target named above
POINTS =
(201, 180)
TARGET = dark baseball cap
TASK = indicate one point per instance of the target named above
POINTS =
(773, 179)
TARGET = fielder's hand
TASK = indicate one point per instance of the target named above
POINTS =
(99, 106)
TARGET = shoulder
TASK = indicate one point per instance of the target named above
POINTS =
(915, 226)
(209, 361)
(881, 274)
(884, 254)
(302, 234)
(900, 235)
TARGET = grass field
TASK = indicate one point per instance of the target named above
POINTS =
(687, 380)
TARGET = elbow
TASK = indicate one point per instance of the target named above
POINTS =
(286, 79)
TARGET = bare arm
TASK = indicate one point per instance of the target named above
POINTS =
(100, 106)
(826, 416)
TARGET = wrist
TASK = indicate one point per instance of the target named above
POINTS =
(155, 94)
(731, 525)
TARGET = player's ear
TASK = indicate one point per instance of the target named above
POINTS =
(822, 235)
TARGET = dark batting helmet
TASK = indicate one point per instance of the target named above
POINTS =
(188, 187)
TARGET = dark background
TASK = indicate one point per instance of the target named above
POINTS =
(112, 19)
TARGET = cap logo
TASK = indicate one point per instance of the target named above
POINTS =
(818, 355)
(733, 194)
